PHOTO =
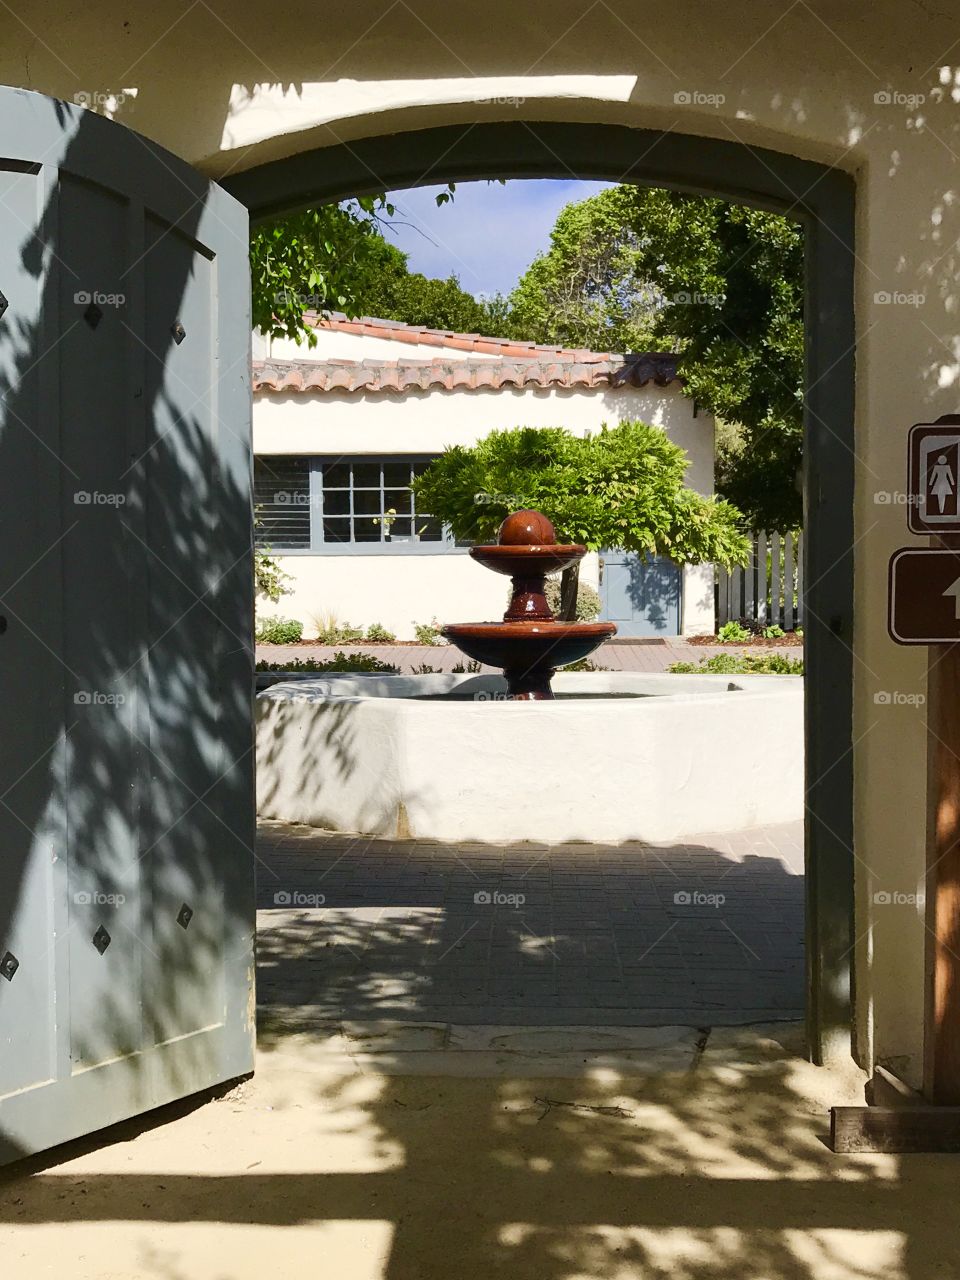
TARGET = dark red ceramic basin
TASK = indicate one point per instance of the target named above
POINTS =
(522, 561)
(514, 645)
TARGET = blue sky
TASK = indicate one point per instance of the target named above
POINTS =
(489, 235)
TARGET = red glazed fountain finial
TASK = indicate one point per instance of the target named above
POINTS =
(525, 529)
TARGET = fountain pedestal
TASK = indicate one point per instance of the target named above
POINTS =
(529, 644)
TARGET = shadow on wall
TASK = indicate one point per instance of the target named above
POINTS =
(125, 773)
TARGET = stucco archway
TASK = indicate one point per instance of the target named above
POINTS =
(823, 200)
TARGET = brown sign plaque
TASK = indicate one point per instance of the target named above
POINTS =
(924, 596)
(933, 471)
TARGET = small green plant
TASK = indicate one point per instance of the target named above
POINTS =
(425, 669)
(773, 633)
(269, 580)
(584, 664)
(378, 634)
(330, 630)
(734, 664)
(358, 662)
(279, 631)
(733, 633)
(427, 632)
(471, 668)
(588, 600)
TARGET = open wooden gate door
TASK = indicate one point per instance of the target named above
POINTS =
(126, 764)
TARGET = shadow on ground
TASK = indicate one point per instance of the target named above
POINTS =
(633, 934)
(715, 1170)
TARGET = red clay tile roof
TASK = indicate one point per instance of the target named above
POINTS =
(599, 370)
(478, 344)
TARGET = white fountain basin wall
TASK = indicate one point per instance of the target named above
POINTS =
(391, 756)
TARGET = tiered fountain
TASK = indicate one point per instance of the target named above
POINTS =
(529, 644)
(441, 755)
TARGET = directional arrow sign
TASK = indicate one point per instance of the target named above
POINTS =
(954, 590)
(924, 605)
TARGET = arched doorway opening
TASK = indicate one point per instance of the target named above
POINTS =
(822, 200)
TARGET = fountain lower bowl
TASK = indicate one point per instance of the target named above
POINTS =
(528, 652)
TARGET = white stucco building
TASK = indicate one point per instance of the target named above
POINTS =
(341, 428)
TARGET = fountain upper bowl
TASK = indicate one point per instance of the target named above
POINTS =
(521, 560)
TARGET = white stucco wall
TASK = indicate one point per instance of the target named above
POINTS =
(654, 766)
(229, 93)
(400, 590)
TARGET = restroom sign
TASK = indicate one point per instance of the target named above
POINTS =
(934, 477)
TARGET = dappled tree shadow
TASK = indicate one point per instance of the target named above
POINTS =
(126, 786)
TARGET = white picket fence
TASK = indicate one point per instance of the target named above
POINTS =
(768, 590)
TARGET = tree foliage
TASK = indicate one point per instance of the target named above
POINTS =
(319, 260)
(732, 282)
(336, 258)
(720, 284)
(623, 487)
(393, 292)
(588, 289)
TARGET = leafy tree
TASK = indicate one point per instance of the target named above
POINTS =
(588, 289)
(395, 293)
(319, 260)
(620, 488)
(718, 283)
(732, 282)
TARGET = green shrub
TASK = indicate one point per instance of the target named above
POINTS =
(341, 633)
(471, 668)
(427, 632)
(733, 633)
(425, 669)
(379, 634)
(339, 662)
(746, 664)
(773, 633)
(588, 600)
(330, 630)
(279, 631)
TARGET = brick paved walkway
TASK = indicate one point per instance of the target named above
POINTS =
(705, 933)
(443, 657)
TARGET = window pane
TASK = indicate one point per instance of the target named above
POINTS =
(365, 530)
(429, 530)
(336, 502)
(367, 502)
(396, 474)
(399, 499)
(366, 475)
(336, 530)
(402, 528)
(336, 475)
(281, 494)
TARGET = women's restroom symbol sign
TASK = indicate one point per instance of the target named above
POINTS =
(934, 478)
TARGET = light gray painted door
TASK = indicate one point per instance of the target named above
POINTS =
(641, 597)
(126, 768)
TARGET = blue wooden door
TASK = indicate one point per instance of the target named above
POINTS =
(126, 767)
(641, 597)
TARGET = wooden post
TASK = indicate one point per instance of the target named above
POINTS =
(942, 1004)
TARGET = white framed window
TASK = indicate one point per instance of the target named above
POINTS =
(364, 504)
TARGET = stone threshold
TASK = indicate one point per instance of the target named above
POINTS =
(394, 1047)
